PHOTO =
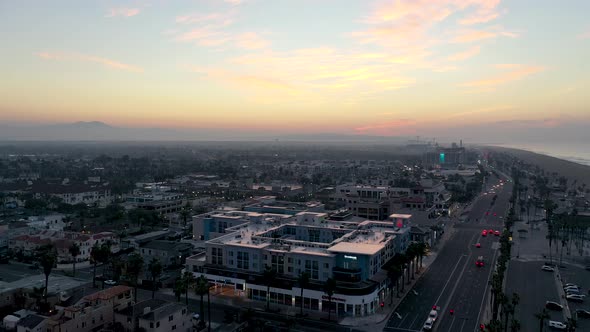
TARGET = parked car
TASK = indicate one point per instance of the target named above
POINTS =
(110, 282)
(547, 268)
(575, 297)
(553, 306)
(557, 325)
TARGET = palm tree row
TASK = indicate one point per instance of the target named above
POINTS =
(498, 299)
(405, 265)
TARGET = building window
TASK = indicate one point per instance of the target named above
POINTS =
(174, 327)
(157, 324)
(243, 260)
(278, 264)
(170, 318)
(217, 256)
(311, 267)
(151, 325)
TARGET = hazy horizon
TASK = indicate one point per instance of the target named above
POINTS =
(483, 71)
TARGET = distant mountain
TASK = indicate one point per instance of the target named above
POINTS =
(100, 131)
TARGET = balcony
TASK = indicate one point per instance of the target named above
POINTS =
(347, 275)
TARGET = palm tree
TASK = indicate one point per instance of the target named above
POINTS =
(541, 316)
(329, 289)
(179, 288)
(202, 288)
(303, 281)
(269, 276)
(410, 255)
(74, 252)
(47, 261)
(188, 278)
(133, 270)
(95, 257)
(393, 274)
(155, 270)
(185, 213)
(515, 325)
(421, 251)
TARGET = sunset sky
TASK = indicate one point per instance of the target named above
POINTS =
(404, 67)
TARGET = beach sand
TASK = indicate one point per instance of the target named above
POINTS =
(570, 170)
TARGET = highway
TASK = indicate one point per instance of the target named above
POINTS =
(453, 281)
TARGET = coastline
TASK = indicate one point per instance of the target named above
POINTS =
(569, 169)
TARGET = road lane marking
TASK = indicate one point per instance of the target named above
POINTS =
(486, 288)
(449, 279)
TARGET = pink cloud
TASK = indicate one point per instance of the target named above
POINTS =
(124, 12)
(388, 128)
(58, 56)
(585, 35)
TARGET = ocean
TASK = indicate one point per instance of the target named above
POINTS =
(576, 153)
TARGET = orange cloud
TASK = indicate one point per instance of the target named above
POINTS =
(90, 58)
(465, 54)
(125, 12)
(516, 72)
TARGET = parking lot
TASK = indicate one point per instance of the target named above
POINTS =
(580, 277)
(534, 287)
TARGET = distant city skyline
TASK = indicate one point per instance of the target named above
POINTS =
(453, 68)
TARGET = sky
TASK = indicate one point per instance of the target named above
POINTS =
(463, 68)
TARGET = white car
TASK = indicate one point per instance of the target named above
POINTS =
(569, 284)
(428, 324)
(571, 288)
(547, 268)
(433, 314)
(110, 282)
(575, 297)
(557, 325)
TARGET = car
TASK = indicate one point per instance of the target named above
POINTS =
(491, 231)
(433, 314)
(569, 284)
(575, 297)
(487, 213)
(484, 233)
(547, 268)
(573, 292)
(583, 313)
(571, 288)
(479, 261)
(428, 324)
(553, 306)
(110, 282)
(478, 245)
(557, 325)
(495, 214)
(497, 233)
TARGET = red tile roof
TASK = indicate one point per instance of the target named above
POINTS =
(108, 293)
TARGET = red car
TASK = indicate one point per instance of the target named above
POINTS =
(491, 231)
(487, 213)
(478, 245)
(495, 214)
(479, 261)
(484, 233)
(497, 233)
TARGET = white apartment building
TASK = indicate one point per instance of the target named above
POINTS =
(350, 253)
